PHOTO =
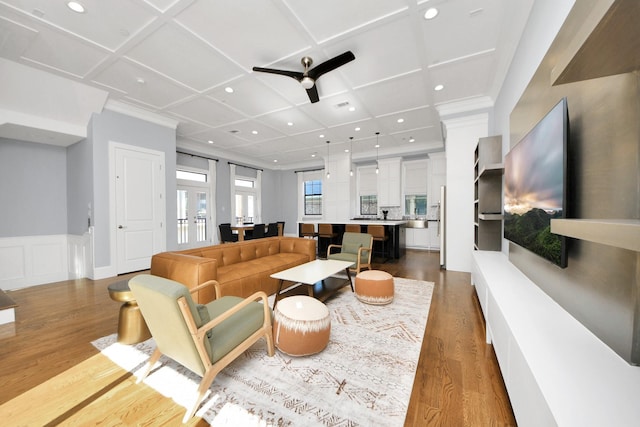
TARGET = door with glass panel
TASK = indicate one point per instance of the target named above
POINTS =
(194, 219)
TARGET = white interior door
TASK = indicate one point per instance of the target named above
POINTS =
(140, 186)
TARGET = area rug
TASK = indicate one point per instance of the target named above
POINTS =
(363, 378)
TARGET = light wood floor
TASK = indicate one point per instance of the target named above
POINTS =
(50, 374)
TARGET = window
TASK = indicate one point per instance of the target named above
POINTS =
(191, 176)
(313, 197)
(369, 205)
(415, 204)
(247, 183)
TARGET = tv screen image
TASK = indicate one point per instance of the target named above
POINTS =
(535, 183)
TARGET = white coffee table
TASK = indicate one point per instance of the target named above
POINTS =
(311, 273)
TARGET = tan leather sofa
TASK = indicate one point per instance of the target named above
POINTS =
(241, 268)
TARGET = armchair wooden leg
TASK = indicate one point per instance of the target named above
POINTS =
(202, 390)
(152, 361)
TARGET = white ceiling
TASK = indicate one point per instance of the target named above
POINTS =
(176, 57)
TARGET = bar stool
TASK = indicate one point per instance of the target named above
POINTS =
(308, 230)
(326, 236)
(353, 228)
(379, 235)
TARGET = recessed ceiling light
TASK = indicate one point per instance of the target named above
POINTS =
(377, 146)
(400, 120)
(438, 87)
(431, 13)
(352, 108)
(357, 129)
(228, 89)
(255, 132)
(412, 139)
(321, 136)
(289, 123)
(346, 150)
(313, 154)
(210, 142)
(76, 6)
(140, 80)
(275, 160)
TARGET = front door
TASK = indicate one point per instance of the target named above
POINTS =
(140, 207)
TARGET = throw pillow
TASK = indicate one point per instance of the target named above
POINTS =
(204, 317)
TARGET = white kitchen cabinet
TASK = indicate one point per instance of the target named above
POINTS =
(417, 238)
(434, 237)
(389, 182)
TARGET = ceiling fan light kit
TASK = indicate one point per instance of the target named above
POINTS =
(308, 77)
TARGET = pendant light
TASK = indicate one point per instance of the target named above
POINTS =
(328, 173)
(377, 146)
(350, 156)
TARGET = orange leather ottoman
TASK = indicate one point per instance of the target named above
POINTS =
(301, 325)
(374, 287)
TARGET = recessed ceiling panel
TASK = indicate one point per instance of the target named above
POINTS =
(322, 21)
(291, 121)
(108, 23)
(16, 38)
(462, 28)
(141, 85)
(207, 111)
(251, 131)
(336, 110)
(401, 93)
(261, 34)
(464, 79)
(181, 56)
(381, 52)
(250, 96)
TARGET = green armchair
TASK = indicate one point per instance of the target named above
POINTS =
(203, 338)
(355, 247)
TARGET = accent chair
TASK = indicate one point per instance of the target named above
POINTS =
(355, 247)
(204, 338)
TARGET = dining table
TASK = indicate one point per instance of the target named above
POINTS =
(241, 229)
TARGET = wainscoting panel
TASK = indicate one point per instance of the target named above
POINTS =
(36, 260)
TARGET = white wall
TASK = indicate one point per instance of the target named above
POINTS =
(462, 137)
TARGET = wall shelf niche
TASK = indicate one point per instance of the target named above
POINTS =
(621, 233)
(488, 170)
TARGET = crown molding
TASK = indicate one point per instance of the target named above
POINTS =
(139, 113)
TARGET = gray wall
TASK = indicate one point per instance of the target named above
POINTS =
(79, 187)
(33, 189)
(110, 126)
(600, 285)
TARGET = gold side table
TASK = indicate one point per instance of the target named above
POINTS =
(132, 328)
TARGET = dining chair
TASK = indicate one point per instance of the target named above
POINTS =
(226, 234)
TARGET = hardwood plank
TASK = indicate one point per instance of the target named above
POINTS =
(50, 359)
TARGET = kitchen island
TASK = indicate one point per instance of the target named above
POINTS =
(395, 246)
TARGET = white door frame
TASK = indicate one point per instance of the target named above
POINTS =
(113, 146)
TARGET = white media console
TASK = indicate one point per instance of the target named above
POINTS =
(556, 371)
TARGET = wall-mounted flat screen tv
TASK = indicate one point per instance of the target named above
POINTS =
(535, 186)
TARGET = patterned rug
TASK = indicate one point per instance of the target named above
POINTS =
(363, 378)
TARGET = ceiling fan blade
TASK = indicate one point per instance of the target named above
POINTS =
(293, 74)
(313, 94)
(331, 64)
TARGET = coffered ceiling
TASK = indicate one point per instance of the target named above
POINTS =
(179, 59)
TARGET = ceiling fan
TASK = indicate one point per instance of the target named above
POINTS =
(308, 77)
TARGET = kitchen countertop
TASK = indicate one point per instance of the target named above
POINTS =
(361, 222)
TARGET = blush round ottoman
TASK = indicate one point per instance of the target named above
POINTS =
(301, 325)
(374, 287)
